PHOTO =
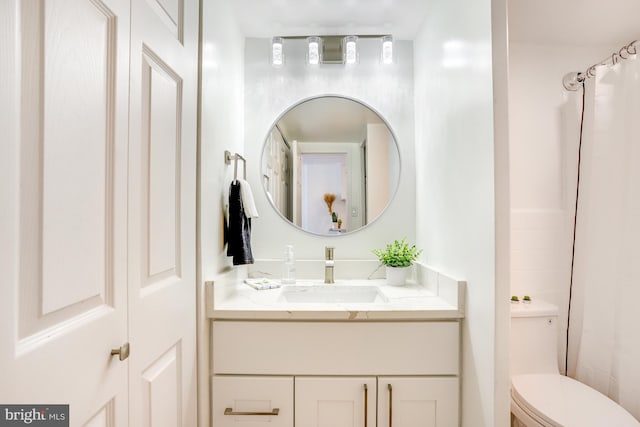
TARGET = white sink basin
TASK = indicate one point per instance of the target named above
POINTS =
(327, 294)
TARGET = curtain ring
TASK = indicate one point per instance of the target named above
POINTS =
(622, 51)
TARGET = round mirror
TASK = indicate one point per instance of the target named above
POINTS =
(330, 165)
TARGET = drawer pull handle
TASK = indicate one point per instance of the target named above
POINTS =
(390, 403)
(366, 403)
(230, 411)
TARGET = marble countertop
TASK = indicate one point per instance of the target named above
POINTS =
(233, 299)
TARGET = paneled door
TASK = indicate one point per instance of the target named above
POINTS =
(162, 194)
(277, 174)
(64, 80)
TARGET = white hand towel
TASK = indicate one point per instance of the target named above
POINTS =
(248, 203)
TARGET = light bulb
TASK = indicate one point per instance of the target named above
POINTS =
(313, 57)
(351, 50)
(387, 50)
(277, 56)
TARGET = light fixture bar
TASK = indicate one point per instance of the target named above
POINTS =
(332, 49)
(360, 36)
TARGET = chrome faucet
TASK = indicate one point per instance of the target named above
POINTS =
(328, 265)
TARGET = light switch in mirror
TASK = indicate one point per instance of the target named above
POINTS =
(330, 165)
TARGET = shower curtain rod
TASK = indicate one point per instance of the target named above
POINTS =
(572, 81)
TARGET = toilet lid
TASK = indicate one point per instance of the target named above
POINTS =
(563, 401)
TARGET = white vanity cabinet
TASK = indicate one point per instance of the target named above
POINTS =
(314, 373)
(417, 402)
(258, 401)
(352, 401)
(335, 401)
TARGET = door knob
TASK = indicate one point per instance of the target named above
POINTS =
(122, 352)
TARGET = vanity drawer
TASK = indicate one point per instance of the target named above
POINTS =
(258, 401)
(336, 348)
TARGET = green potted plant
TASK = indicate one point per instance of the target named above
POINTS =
(397, 258)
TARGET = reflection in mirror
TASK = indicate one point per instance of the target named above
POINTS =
(330, 165)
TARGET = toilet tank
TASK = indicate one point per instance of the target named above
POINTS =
(534, 338)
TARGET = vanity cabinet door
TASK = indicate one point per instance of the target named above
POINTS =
(335, 402)
(256, 401)
(417, 402)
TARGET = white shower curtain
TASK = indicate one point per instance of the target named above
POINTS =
(604, 333)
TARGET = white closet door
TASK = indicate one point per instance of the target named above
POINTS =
(162, 167)
(63, 192)
(335, 401)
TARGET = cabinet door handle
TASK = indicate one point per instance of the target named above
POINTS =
(366, 405)
(230, 411)
(390, 403)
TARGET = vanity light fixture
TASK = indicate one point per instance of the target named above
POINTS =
(350, 50)
(277, 51)
(332, 50)
(314, 54)
(387, 50)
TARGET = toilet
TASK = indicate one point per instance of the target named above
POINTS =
(540, 396)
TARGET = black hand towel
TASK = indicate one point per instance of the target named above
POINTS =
(239, 238)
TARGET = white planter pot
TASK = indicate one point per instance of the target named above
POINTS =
(397, 276)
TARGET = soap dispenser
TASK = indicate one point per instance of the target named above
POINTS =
(289, 267)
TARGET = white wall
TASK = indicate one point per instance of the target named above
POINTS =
(269, 92)
(221, 128)
(455, 204)
(322, 173)
(222, 124)
(543, 150)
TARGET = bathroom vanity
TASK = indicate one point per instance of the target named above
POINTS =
(357, 352)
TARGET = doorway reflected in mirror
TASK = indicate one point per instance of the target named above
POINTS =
(330, 145)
